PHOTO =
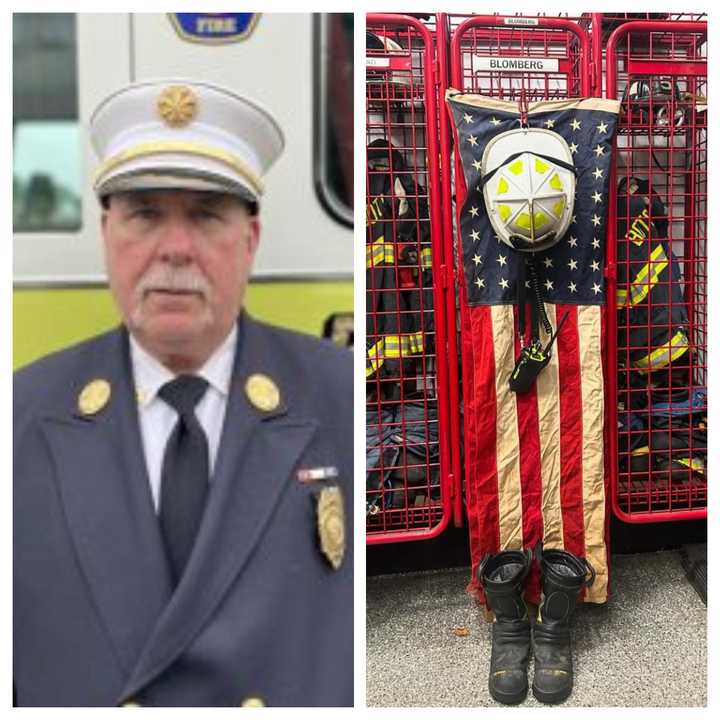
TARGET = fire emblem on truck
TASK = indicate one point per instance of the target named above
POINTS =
(211, 28)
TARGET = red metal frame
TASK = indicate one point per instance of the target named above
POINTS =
(495, 32)
(674, 52)
(417, 523)
(663, 50)
(521, 40)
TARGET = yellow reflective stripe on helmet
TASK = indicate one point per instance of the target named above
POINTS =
(426, 257)
(542, 167)
(556, 182)
(504, 211)
(640, 451)
(502, 186)
(665, 354)
(523, 220)
(517, 167)
(379, 252)
(540, 219)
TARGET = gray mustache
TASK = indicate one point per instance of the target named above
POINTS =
(173, 280)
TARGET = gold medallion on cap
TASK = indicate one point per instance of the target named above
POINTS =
(177, 105)
(262, 392)
(94, 397)
(331, 525)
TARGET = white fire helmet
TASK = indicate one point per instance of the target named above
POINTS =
(528, 183)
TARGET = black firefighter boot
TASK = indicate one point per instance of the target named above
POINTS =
(502, 576)
(563, 575)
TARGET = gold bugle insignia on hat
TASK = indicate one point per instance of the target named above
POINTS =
(331, 525)
(94, 397)
(177, 105)
(262, 392)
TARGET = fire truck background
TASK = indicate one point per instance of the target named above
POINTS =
(656, 343)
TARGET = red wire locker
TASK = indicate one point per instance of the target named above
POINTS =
(409, 481)
(657, 328)
(473, 40)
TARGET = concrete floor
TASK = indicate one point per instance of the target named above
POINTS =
(645, 647)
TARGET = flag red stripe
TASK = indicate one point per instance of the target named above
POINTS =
(571, 438)
(484, 413)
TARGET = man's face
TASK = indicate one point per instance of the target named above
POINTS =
(178, 263)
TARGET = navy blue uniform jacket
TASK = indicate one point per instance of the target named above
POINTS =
(259, 611)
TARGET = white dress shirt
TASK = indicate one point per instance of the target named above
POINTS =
(157, 418)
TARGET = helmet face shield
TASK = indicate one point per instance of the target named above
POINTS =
(529, 187)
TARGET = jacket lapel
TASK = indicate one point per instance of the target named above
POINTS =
(241, 501)
(104, 490)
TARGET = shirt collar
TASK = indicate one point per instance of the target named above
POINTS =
(150, 374)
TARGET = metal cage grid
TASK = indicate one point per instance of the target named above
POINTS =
(657, 325)
(481, 37)
(416, 480)
(408, 476)
(473, 37)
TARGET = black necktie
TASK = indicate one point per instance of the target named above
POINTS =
(185, 471)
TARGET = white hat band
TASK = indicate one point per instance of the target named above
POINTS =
(183, 147)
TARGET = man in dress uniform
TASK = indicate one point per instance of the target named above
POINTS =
(182, 502)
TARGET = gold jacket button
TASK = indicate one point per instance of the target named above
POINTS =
(252, 702)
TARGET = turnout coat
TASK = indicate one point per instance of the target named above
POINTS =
(260, 614)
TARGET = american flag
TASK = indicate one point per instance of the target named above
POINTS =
(536, 462)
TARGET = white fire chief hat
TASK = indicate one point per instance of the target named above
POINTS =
(183, 134)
